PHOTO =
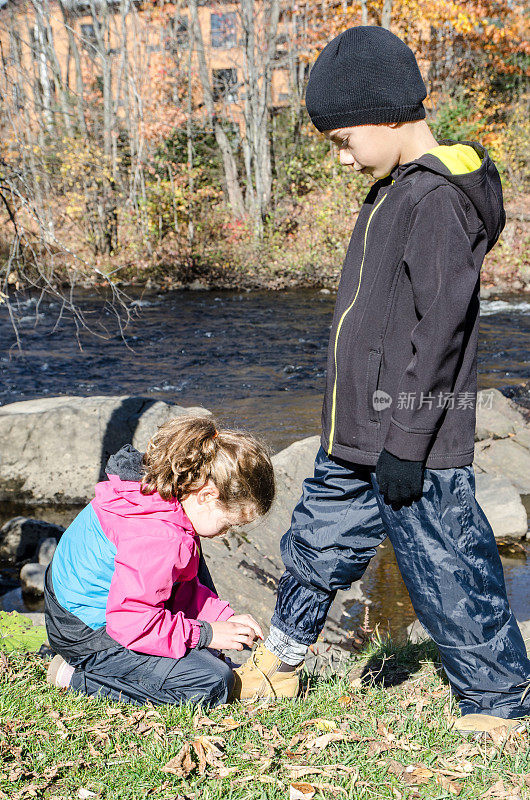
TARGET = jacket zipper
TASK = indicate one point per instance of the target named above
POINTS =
(339, 326)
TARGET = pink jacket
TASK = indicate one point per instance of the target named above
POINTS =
(155, 600)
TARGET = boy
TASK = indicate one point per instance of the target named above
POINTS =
(398, 418)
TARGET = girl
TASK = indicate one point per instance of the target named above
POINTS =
(130, 606)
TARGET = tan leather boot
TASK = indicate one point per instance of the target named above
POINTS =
(259, 677)
(484, 723)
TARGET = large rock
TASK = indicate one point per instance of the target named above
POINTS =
(246, 568)
(32, 579)
(21, 536)
(291, 466)
(503, 439)
(497, 416)
(502, 505)
(505, 458)
(46, 550)
(522, 437)
(55, 449)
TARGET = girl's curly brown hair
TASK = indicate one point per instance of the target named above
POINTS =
(188, 450)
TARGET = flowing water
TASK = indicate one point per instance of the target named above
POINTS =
(257, 360)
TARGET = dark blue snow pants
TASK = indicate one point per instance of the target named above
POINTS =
(106, 669)
(448, 558)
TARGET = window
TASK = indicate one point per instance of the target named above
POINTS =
(88, 35)
(176, 34)
(223, 29)
(17, 97)
(224, 85)
(180, 27)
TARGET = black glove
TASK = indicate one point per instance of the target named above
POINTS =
(400, 481)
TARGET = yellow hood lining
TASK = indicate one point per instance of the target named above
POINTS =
(458, 158)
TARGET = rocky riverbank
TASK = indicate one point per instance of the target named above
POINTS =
(497, 281)
(55, 449)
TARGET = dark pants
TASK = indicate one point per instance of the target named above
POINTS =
(449, 561)
(107, 669)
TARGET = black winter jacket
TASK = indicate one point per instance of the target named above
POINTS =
(402, 358)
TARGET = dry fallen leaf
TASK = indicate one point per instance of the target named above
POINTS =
(276, 736)
(467, 749)
(182, 764)
(224, 772)
(498, 791)
(258, 778)
(201, 721)
(201, 755)
(450, 786)
(300, 771)
(417, 775)
(320, 742)
(334, 789)
(230, 724)
(115, 712)
(345, 700)
(374, 748)
(393, 766)
(84, 794)
(508, 741)
(301, 791)
(212, 747)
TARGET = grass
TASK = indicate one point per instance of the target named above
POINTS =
(380, 731)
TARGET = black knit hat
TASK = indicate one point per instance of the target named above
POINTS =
(364, 76)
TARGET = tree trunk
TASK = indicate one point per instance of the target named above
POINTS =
(106, 204)
(233, 188)
(258, 27)
(78, 96)
(364, 12)
(189, 137)
(386, 17)
(49, 61)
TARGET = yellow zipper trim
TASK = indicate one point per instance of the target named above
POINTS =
(334, 405)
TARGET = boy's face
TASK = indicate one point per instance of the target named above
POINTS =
(371, 149)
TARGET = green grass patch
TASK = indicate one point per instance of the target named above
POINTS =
(382, 730)
(17, 632)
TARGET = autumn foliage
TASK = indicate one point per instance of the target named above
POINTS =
(122, 159)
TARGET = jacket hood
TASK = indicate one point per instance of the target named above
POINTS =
(126, 464)
(468, 166)
(121, 493)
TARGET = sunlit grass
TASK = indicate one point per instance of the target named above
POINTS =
(380, 731)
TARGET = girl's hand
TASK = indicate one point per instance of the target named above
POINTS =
(235, 632)
(246, 619)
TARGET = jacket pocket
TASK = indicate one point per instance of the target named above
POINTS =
(372, 381)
